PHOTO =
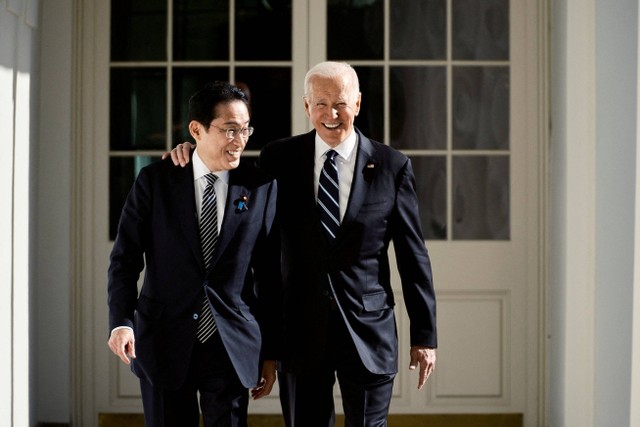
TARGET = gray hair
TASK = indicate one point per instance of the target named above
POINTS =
(332, 70)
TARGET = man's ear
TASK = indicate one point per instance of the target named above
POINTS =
(194, 129)
(307, 107)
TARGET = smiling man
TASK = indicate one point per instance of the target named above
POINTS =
(205, 321)
(342, 199)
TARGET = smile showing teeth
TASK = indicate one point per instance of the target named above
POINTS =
(332, 126)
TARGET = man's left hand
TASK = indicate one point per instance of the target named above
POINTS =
(426, 357)
(266, 382)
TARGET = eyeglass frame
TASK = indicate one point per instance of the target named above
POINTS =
(231, 133)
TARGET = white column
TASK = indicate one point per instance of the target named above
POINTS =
(634, 418)
(579, 221)
(17, 20)
(8, 24)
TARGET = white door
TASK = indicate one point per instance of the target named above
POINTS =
(453, 83)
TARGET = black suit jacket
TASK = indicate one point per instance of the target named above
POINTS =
(383, 207)
(158, 231)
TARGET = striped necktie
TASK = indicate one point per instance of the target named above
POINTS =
(328, 196)
(209, 238)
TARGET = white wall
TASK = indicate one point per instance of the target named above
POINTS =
(557, 227)
(53, 277)
(592, 210)
(616, 47)
(18, 96)
(572, 214)
(634, 418)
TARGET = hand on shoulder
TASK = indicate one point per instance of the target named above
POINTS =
(180, 154)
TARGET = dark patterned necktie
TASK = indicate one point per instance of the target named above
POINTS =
(209, 238)
(328, 196)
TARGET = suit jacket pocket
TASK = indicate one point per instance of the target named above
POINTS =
(377, 205)
(149, 307)
(246, 313)
(376, 301)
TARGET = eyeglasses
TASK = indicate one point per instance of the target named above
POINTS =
(231, 133)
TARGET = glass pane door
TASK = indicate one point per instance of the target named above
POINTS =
(162, 51)
(440, 80)
(434, 75)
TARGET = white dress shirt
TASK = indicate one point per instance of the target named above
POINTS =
(221, 186)
(345, 161)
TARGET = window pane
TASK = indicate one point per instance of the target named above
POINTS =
(418, 107)
(186, 81)
(481, 198)
(481, 29)
(418, 29)
(431, 187)
(138, 109)
(269, 89)
(201, 30)
(371, 118)
(263, 30)
(138, 30)
(355, 30)
(122, 173)
(481, 108)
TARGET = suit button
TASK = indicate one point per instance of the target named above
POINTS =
(195, 316)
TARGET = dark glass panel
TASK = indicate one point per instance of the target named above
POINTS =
(418, 107)
(431, 187)
(481, 29)
(355, 30)
(186, 82)
(122, 173)
(269, 89)
(418, 29)
(481, 108)
(481, 198)
(138, 108)
(201, 30)
(371, 118)
(138, 30)
(263, 30)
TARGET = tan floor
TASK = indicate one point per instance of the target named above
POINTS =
(444, 420)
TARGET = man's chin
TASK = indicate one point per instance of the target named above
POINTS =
(227, 165)
(332, 137)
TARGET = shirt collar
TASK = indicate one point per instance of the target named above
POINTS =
(200, 169)
(345, 149)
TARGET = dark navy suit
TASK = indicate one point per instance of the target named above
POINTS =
(158, 231)
(338, 302)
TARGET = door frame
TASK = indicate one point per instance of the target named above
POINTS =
(86, 51)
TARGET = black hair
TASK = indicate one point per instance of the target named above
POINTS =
(203, 103)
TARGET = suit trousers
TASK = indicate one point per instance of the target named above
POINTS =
(223, 398)
(307, 398)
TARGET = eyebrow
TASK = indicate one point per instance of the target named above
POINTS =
(232, 123)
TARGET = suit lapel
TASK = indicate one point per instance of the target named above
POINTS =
(363, 172)
(184, 195)
(305, 172)
(232, 215)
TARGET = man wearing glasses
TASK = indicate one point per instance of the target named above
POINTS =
(204, 322)
(342, 200)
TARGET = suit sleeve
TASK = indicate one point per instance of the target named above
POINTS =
(413, 262)
(268, 280)
(127, 255)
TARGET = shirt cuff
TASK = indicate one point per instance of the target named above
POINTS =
(121, 327)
